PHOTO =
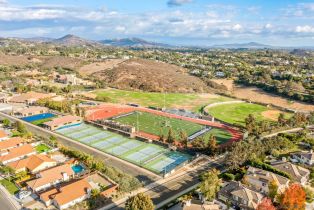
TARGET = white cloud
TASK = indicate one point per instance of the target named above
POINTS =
(268, 26)
(237, 27)
(304, 29)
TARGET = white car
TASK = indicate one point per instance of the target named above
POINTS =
(23, 194)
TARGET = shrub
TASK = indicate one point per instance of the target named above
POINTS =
(228, 176)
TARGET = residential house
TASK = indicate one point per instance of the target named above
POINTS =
(33, 164)
(11, 143)
(304, 157)
(50, 177)
(30, 98)
(297, 173)
(30, 111)
(239, 195)
(16, 153)
(67, 195)
(259, 180)
(59, 122)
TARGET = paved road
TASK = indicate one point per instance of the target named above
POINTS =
(292, 130)
(5, 204)
(172, 188)
(145, 176)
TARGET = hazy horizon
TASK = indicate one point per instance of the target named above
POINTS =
(175, 22)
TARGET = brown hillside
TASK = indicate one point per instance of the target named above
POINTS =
(147, 75)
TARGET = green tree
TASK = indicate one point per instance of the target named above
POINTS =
(184, 138)
(6, 122)
(212, 144)
(53, 141)
(7, 170)
(273, 189)
(20, 127)
(139, 202)
(281, 119)
(210, 184)
(170, 137)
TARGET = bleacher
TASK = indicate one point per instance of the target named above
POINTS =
(199, 133)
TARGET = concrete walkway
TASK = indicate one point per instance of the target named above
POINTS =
(6, 200)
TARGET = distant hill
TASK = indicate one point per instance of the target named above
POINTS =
(152, 76)
(133, 42)
(72, 40)
(37, 39)
(250, 45)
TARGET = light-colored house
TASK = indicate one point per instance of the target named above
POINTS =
(33, 164)
(11, 143)
(297, 173)
(30, 98)
(51, 177)
(59, 122)
(304, 157)
(30, 111)
(67, 195)
(16, 153)
(259, 180)
(240, 195)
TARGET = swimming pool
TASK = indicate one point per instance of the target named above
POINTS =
(38, 117)
(77, 168)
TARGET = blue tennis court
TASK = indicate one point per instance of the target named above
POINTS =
(150, 156)
(38, 117)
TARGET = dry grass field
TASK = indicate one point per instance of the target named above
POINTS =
(152, 76)
(257, 95)
(95, 67)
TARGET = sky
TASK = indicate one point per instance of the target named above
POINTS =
(177, 22)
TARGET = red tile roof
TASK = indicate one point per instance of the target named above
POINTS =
(63, 120)
(51, 175)
(12, 142)
(17, 152)
(67, 193)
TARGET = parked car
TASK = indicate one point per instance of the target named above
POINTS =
(23, 194)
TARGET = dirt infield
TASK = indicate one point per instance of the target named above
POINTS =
(271, 114)
(257, 95)
(106, 111)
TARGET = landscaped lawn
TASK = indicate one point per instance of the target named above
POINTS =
(188, 101)
(42, 148)
(10, 186)
(155, 124)
(222, 136)
(39, 122)
(236, 113)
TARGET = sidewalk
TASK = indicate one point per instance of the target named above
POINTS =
(9, 198)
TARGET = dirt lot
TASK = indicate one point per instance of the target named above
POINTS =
(17, 60)
(271, 114)
(92, 68)
(228, 83)
(257, 95)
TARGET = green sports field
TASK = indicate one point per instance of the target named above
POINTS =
(189, 101)
(236, 113)
(222, 136)
(155, 124)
